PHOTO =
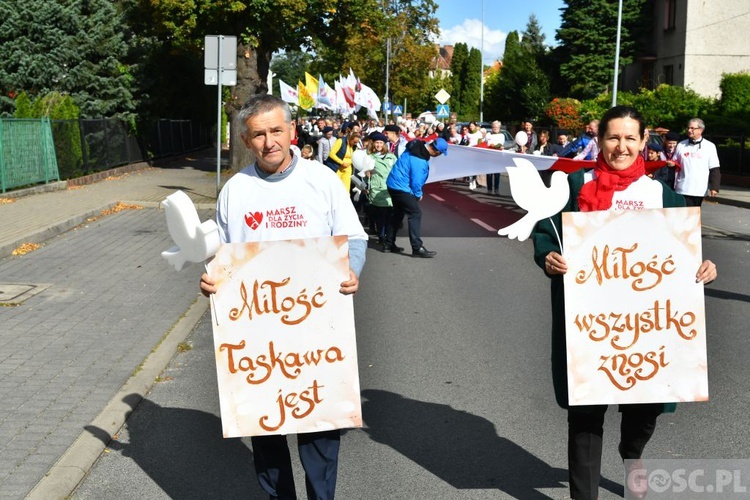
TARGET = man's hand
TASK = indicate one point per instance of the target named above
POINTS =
(712, 193)
(208, 286)
(348, 287)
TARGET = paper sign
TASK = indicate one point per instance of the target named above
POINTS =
(284, 339)
(635, 317)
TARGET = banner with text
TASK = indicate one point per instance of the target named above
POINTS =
(635, 317)
(284, 338)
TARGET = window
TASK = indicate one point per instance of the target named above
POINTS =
(669, 74)
(670, 9)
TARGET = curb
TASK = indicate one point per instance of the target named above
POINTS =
(729, 201)
(73, 466)
(44, 234)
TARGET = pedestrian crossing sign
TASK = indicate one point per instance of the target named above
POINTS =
(443, 111)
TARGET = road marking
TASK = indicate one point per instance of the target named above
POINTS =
(486, 226)
(438, 198)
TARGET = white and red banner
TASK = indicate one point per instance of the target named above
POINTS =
(634, 314)
(284, 338)
(465, 161)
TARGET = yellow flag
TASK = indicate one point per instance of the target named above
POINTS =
(312, 84)
(304, 98)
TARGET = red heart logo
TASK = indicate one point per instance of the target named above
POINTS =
(254, 220)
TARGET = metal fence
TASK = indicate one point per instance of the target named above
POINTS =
(27, 154)
(86, 146)
(734, 153)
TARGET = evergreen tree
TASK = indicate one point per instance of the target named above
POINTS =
(521, 89)
(588, 35)
(533, 38)
(74, 47)
(471, 81)
(458, 65)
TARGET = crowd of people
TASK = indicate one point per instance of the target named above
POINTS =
(385, 184)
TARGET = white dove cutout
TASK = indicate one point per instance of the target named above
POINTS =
(195, 241)
(530, 193)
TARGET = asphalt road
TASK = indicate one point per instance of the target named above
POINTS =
(454, 368)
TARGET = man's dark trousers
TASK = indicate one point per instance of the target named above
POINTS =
(318, 452)
(405, 204)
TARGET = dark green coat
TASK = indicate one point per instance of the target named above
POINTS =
(545, 241)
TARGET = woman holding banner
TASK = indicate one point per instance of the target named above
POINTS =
(618, 180)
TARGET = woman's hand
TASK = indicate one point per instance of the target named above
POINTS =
(706, 273)
(554, 263)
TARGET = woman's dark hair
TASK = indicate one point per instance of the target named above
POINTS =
(621, 112)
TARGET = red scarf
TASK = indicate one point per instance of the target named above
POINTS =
(597, 194)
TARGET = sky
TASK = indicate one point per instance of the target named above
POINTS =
(461, 21)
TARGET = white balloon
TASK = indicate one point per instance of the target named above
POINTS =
(361, 161)
(522, 138)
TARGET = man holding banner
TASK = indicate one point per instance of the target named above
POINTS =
(618, 183)
(280, 181)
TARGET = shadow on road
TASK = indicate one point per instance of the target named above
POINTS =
(721, 294)
(462, 449)
(184, 453)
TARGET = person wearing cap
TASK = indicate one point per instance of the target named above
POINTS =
(396, 142)
(405, 183)
(325, 144)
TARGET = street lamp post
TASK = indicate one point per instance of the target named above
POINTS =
(617, 54)
(481, 72)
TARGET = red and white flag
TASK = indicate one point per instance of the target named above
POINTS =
(288, 93)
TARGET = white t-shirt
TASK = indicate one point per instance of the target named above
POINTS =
(643, 193)
(495, 139)
(695, 161)
(311, 202)
(474, 138)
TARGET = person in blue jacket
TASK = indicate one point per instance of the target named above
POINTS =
(405, 184)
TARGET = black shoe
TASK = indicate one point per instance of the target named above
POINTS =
(423, 252)
(390, 247)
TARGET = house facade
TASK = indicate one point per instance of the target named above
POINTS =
(692, 43)
(440, 67)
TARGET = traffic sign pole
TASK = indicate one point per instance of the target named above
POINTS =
(218, 123)
(219, 70)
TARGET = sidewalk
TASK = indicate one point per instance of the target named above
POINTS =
(99, 314)
(92, 312)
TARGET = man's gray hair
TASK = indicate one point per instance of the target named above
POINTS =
(262, 103)
(496, 122)
(698, 123)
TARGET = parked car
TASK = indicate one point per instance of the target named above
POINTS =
(509, 144)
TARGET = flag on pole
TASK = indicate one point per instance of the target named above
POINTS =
(351, 81)
(288, 93)
(348, 92)
(305, 100)
(323, 99)
(367, 98)
(332, 95)
(311, 83)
